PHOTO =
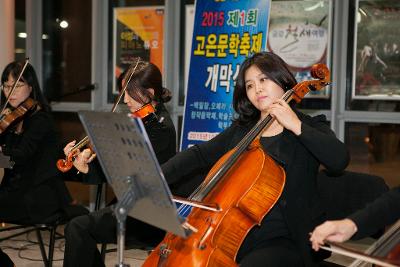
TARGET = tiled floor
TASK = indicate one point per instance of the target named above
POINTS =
(25, 252)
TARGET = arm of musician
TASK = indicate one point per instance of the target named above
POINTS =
(334, 231)
(90, 171)
(68, 147)
(382, 212)
(284, 114)
(321, 141)
(198, 158)
(40, 126)
(82, 160)
(314, 133)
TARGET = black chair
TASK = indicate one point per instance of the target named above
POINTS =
(345, 193)
(49, 224)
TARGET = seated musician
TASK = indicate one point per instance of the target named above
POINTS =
(83, 233)
(31, 189)
(382, 212)
(298, 142)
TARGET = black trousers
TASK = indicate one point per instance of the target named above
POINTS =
(277, 252)
(5, 261)
(83, 233)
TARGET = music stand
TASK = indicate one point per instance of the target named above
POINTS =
(131, 168)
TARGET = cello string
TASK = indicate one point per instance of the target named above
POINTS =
(243, 142)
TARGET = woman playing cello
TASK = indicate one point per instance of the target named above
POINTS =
(297, 142)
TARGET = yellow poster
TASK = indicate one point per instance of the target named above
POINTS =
(138, 32)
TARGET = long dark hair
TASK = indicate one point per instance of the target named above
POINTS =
(274, 68)
(146, 75)
(29, 77)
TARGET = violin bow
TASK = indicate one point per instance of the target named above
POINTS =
(126, 85)
(15, 84)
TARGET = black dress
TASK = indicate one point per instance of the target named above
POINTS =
(84, 232)
(299, 209)
(32, 190)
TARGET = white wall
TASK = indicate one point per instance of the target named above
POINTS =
(7, 32)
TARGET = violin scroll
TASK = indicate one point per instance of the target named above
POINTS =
(66, 164)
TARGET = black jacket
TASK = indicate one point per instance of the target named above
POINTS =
(300, 157)
(34, 176)
(382, 212)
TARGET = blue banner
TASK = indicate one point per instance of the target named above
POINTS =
(225, 33)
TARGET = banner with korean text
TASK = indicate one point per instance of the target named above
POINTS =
(225, 33)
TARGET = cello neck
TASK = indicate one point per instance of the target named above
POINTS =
(254, 133)
(321, 74)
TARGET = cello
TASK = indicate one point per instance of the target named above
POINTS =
(243, 202)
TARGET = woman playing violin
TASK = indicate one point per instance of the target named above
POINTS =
(299, 143)
(382, 212)
(84, 232)
(31, 189)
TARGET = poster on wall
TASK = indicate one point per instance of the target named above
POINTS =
(376, 68)
(189, 22)
(224, 34)
(138, 32)
(299, 32)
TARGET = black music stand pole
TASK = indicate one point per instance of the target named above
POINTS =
(121, 211)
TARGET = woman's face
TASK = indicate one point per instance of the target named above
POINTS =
(20, 94)
(261, 90)
(132, 104)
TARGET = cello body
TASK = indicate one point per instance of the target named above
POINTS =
(243, 202)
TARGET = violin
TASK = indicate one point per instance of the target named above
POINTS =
(146, 112)
(244, 196)
(16, 116)
(66, 164)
